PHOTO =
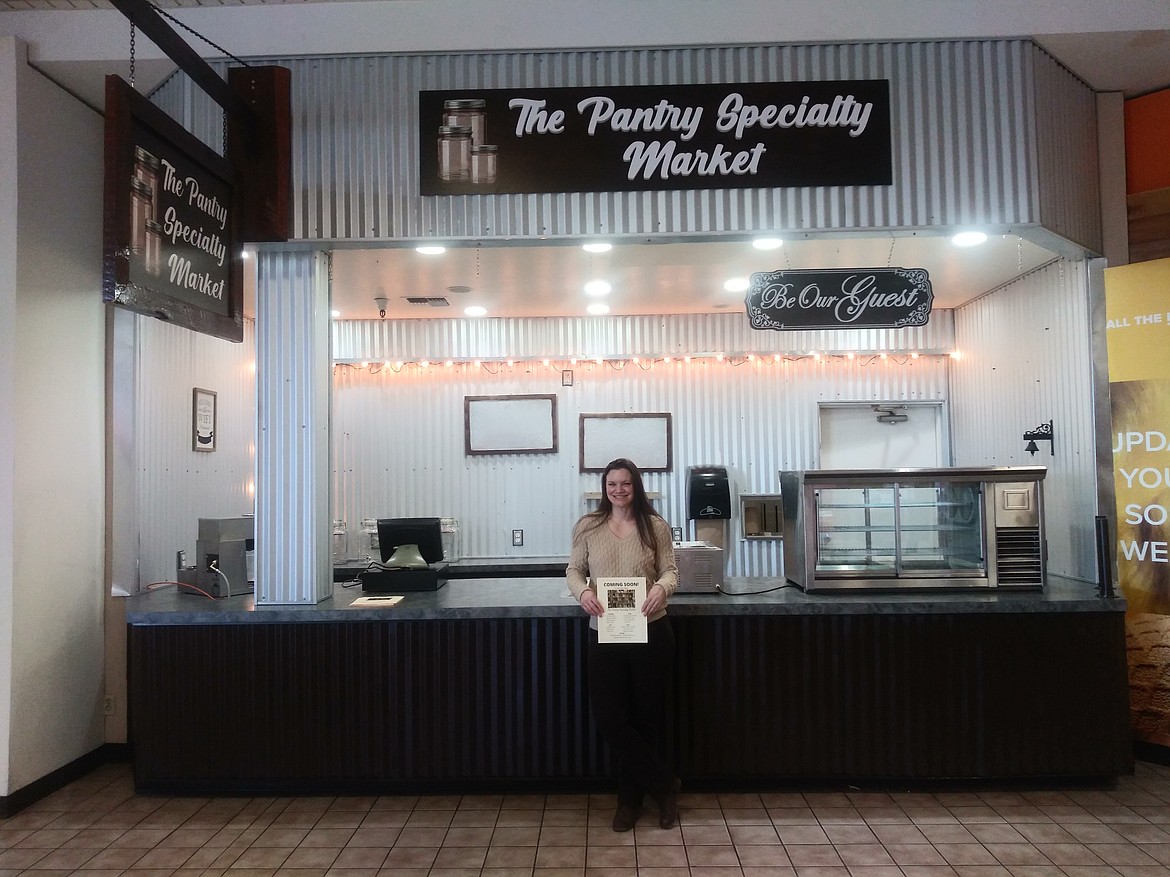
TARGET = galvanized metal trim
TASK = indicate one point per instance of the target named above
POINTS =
(293, 559)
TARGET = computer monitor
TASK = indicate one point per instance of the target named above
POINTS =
(410, 543)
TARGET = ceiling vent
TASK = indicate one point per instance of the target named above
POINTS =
(435, 301)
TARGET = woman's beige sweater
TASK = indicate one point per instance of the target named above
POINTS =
(596, 552)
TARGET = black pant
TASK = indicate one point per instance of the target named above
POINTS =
(627, 690)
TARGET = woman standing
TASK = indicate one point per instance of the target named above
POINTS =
(626, 538)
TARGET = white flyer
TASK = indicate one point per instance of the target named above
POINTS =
(623, 621)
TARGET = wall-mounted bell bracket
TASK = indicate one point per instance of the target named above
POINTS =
(1042, 433)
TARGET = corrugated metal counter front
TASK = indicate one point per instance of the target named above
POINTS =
(481, 685)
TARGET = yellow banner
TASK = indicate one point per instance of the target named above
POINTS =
(1137, 308)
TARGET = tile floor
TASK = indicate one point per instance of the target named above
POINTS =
(98, 826)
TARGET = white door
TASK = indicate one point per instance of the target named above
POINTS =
(868, 436)
(852, 436)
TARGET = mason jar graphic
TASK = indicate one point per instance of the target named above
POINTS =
(483, 163)
(152, 254)
(141, 210)
(466, 114)
(454, 152)
(146, 168)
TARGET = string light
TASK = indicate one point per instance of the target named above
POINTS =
(618, 363)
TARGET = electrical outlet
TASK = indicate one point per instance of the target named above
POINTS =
(676, 534)
(212, 561)
(110, 705)
(517, 538)
(180, 559)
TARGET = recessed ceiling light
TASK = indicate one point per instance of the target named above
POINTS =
(597, 287)
(335, 314)
(598, 247)
(768, 243)
(475, 311)
(598, 308)
(431, 250)
(736, 284)
(968, 238)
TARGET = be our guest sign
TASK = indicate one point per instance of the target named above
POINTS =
(852, 298)
(631, 138)
(169, 229)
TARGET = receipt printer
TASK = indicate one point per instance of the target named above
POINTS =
(708, 493)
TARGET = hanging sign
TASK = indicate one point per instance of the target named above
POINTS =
(850, 298)
(633, 138)
(169, 232)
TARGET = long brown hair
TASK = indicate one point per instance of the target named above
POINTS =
(640, 506)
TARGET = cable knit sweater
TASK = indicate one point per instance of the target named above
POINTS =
(596, 552)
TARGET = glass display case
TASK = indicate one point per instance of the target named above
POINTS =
(914, 528)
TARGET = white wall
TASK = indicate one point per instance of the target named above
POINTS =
(175, 484)
(1026, 359)
(53, 409)
(8, 174)
(398, 439)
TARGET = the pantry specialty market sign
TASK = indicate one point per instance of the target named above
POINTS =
(631, 138)
(850, 298)
(168, 221)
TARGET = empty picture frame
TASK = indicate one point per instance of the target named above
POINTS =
(522, 424)
(644, 439)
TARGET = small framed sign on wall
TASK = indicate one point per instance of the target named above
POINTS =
(203, 437)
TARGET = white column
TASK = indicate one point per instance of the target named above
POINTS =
(293, 369)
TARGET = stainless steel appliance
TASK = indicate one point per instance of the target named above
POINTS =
(223, 550)
(914, 528)
(700, 567)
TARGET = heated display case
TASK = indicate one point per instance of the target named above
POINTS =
(914, 528)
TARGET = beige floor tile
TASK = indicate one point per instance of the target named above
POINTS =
(560, 857)
(361, 857)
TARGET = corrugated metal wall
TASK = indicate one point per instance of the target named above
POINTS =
(973, 126)
(1069, 188)
(1027, 360)
(398, 446)
(587, 337)
(177, 485)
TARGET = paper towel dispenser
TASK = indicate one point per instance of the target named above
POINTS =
(708, 493)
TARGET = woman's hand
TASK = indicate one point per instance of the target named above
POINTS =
(591, 604)
(655, 600)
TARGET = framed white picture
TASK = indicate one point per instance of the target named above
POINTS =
(643, 438)
(203, 437)
(520, 424)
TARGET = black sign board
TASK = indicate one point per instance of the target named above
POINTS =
(634, 138)
(170, 248)
(850, 298)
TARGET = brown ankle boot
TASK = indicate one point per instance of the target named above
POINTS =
(668, 806)
(626, 817)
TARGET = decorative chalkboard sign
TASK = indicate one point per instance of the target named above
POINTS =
(851, 298)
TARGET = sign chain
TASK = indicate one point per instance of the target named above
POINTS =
(219, 49)
(133, 31)
(890, 256)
